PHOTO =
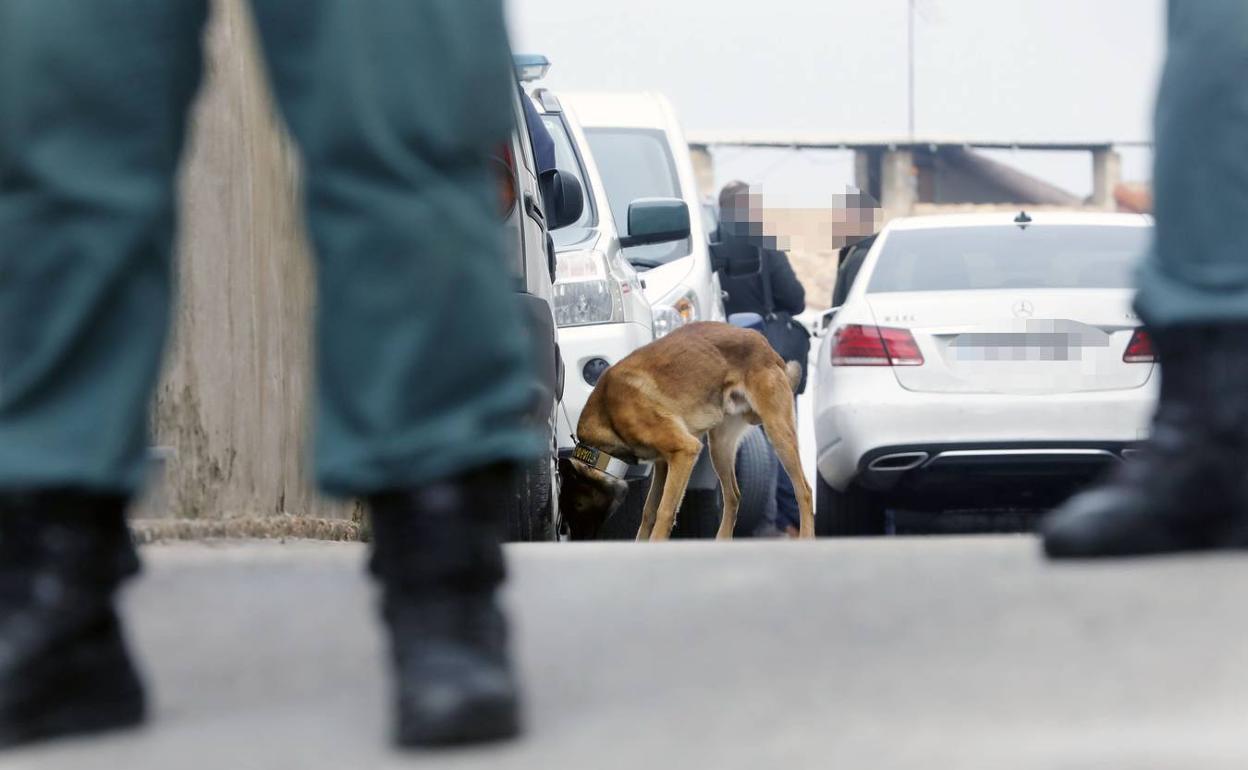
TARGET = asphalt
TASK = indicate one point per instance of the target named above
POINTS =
(902, 653)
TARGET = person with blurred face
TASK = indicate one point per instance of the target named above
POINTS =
(776, 294)
(396, 106)
(1188, 489)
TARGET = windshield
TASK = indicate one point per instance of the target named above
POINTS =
(567, 161)
(637, 163)
(1009, 257)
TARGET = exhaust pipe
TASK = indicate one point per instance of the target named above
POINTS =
(896, 463)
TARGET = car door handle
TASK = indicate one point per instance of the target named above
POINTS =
(532, 209)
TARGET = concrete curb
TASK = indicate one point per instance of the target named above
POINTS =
(273, 527)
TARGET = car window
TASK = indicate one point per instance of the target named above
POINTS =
(637, 163)
(710, 218)
(526, 145)
(1009, 257)
(567, 162)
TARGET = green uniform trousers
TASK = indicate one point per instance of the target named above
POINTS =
(395, 105)
(1197, 272)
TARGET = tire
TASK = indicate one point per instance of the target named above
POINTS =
(532, 506)
(700, 511)
(756, 476)
(856, 512)
(697, 518)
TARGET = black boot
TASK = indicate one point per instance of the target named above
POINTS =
(438, 556)
(64, 668)
(1188, 487)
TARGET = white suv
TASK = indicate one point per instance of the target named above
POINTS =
(599, 305)
(640, 150)
(981, 360)
(639, 153)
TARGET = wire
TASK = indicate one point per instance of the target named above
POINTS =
(784, 158)
(568, 417)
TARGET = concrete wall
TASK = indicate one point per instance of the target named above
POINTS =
(898, 183)
(1106, 176)
(231, 406)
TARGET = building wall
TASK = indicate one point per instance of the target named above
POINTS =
(230, 411)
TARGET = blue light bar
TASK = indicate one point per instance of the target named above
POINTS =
(530, 67)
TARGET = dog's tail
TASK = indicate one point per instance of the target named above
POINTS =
(794, 370)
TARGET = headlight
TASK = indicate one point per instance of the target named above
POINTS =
(585, 291)
(676, 310)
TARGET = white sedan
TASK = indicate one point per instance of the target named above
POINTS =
(984, 360)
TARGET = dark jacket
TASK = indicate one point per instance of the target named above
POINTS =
(745, 288)
(745, 292)
(851, 259)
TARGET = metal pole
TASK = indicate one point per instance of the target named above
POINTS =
(911, 79)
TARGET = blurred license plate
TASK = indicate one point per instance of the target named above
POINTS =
(1030, 340)
(1030, 352)
(1043, 344)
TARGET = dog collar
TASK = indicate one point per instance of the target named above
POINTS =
(596, 458)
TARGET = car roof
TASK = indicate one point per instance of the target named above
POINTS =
(643, 109)
(1038, 219)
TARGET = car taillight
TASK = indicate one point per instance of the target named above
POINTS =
(859, 345)
(902, 349)
(504, 167)
(1140, 349)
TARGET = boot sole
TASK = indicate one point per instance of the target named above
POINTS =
(92, 690)
(80, 717)
(484, 723)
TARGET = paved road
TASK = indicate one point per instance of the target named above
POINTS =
(913, 653)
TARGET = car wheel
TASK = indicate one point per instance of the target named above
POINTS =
(854, 512)
(756, 476)
(701, 510)
(698, 516)
(533, 504)
(552, 521)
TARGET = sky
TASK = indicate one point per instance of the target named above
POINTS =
(984, 69)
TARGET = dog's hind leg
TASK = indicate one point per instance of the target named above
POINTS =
(666, 436)
(657, 479)
(786, 450)
(724, 440)
(772, 398)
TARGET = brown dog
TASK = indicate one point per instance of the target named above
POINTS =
(704, 379)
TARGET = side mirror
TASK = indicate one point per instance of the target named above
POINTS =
(565, 198)
(656, 220)
(824, 323)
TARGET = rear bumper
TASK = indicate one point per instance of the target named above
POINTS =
(869, 424)
(919, 466)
